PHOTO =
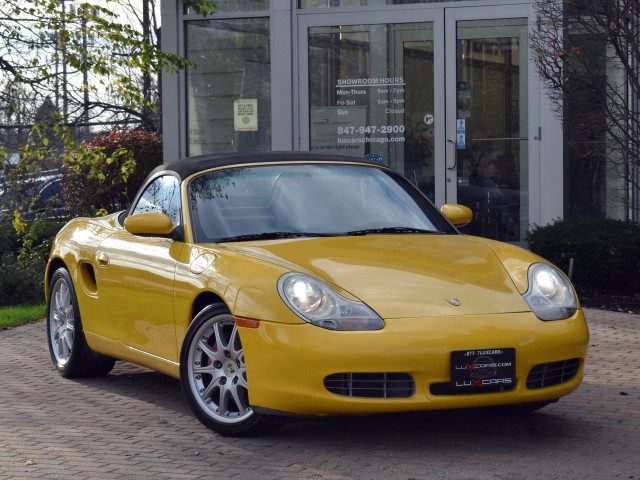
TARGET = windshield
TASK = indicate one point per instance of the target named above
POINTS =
(293, 200)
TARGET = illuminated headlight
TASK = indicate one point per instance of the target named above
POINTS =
(317, 303)
(550, 295)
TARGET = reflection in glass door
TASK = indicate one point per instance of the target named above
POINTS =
(371, 94)
(443, 100)
(491, 144)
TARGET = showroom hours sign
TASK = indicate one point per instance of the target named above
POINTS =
(368, 112)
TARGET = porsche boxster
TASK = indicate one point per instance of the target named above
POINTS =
(274, 284)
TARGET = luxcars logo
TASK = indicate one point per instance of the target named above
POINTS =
(480, 382)
(483, 367)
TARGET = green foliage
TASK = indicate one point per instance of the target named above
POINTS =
(8, 235)
(23, 262)
(102, 176)
(106, 173)
(14, 315)
(606, 252)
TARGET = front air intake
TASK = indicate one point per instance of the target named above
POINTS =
(550, 374)
(371, 385)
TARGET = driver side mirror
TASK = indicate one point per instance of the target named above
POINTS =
(149, 223)
(457, 214)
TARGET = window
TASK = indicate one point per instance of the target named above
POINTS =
(356, 3)
(305, 199)
(234, 6)
(229, 90)
(162, 195)
(596, 176)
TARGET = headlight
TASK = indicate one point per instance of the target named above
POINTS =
(317, 303)
(550, 295)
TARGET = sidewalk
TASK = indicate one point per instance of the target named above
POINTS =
(135, 424)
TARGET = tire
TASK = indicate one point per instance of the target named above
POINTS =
(213, 376)
(69, 351)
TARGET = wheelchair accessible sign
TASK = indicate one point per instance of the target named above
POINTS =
(461, 134)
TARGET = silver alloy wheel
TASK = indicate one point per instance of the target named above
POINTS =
(217, 372)
(61, 321)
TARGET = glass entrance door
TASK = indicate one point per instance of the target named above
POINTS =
(487, 125)
(373, 92)
(378, 86)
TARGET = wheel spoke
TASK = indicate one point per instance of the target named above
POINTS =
(234, 342)
(226, 394)
(58, 307)
(242, 379)
(240, 359)
(208, 392)
(68, 313)
(60, 337)
(62, 297)
(59, 331)
(221, 341)
(60, 347)
(207, 350)
(206, 370)
(68, 339)
(237, 400)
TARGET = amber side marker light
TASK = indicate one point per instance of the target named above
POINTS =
(247, 322)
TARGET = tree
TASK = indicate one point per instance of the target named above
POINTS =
(587, 52)
(66, 64)
(106, 175)
(92, 58)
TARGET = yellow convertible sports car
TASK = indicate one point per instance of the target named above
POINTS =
(292, 283)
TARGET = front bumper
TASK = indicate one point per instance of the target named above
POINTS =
(287, 364)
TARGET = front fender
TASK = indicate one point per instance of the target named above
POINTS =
(247, 285)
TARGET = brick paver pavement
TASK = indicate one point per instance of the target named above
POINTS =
(135, 424)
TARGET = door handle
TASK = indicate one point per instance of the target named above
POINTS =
(103, 259)
(455, 154)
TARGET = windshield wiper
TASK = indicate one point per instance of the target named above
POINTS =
(383, 230)
(273, 236)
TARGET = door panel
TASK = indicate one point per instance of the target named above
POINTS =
(136, 281)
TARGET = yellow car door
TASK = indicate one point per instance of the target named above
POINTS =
(136, 278)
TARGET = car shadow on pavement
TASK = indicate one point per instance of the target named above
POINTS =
(450, 424)
(138, 384)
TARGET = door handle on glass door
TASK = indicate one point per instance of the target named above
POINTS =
(455, 154)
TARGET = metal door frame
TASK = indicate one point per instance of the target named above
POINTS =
(418, 15)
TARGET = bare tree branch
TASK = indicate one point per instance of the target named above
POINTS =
(586, 53)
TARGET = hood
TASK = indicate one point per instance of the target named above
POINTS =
(404, 276)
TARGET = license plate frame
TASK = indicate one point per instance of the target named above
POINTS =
(492, 369)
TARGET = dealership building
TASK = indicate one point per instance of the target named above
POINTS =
(444, 92)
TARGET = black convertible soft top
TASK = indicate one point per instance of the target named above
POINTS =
(191, 165)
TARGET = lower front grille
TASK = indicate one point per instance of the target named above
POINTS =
(371, 385)
(550, 374)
